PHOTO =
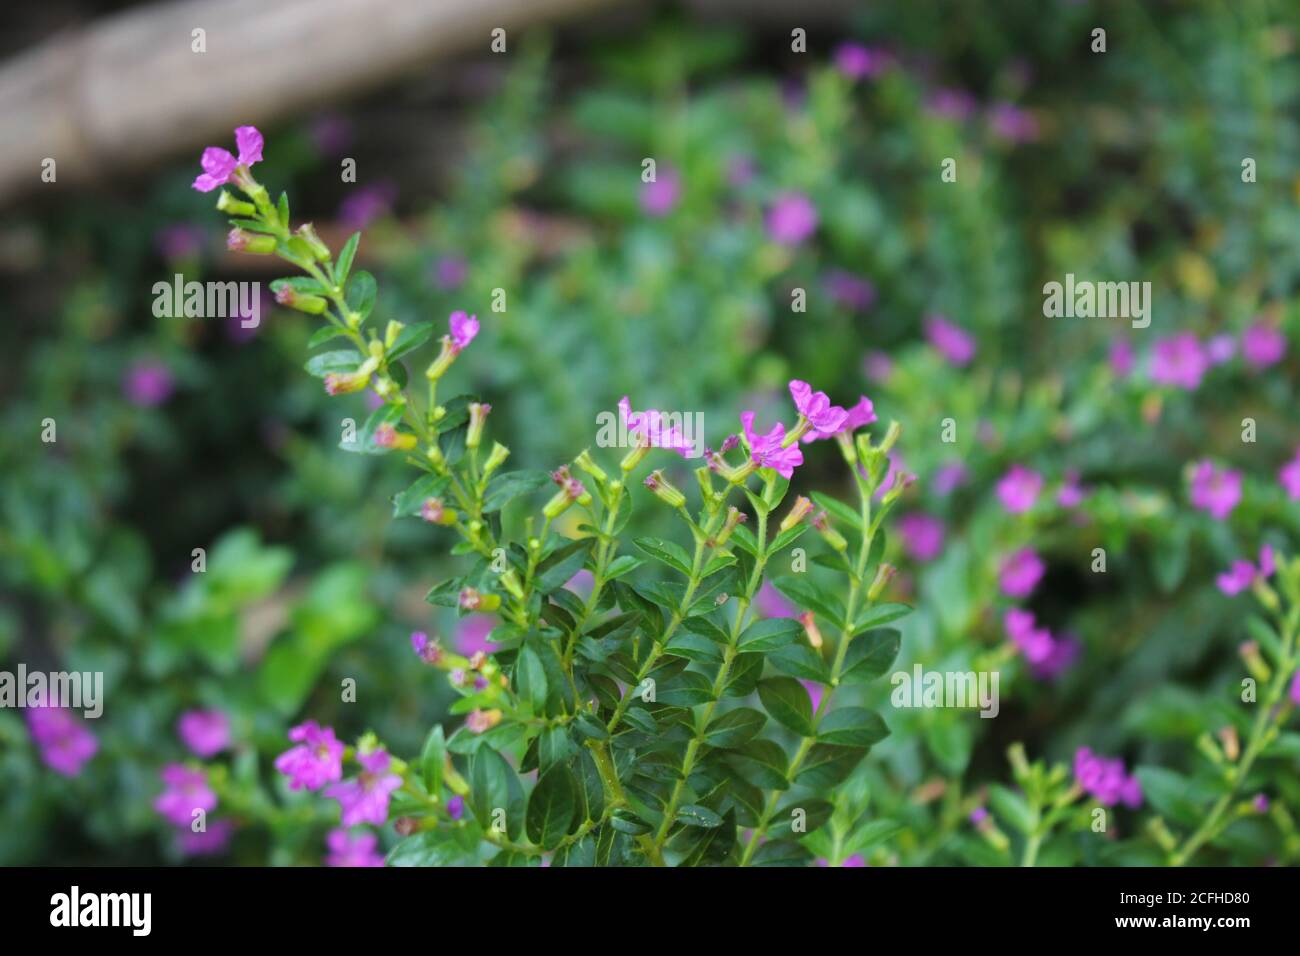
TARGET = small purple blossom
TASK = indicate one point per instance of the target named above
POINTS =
(316, 761)
(979, 815)
(772, 603)
(1106, 779)
(1020, 573)
(472, 635)
(450, 272)
(148, 383)
(185, 791)
(856, 61)
(219, 166)
(878, 366)
(463, 330)
(1242, 574)
(1220, 349)
(1179, 361)
(950, 103)
(1012, 123)
(849, 290)
(456, 807)
(814, 690)
(64, 741)
(1070, 494)
(766, 451)
(210, 841)
(824, 418)
(948, 477)
(1216, 490)
(364, 798)
(180, 241)
(352, 848)
(660, 196)
(1289, 476)
(205, 732)
(1121, 358)
(653, 428)
(1262, 345)
(949, 340)
(367, 204)
(791, 219)
(922, 535)
(1295, 688)
(1018, 489)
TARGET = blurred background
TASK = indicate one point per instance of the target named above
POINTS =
(786, 162)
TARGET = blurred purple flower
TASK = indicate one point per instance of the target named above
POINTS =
(214, 839)
(849, 290)
(364, 798)
(1243, 574)
(1020, 573)
(950, 103)
(1262, 345)
(205, 732)
(772, 603)
(331, 133)
(184, 791)
(352, 848)
(316, 761)
(450, 272)
(1018, 489)
(878, 366)
(1179, 361)
(1216, 490)
(180, 241)
(1289, 476)
(1220, 349)
(1070, 494)
(814, 690)
(949, 340)
(791, 219)
(740, 171)
(856, 61)
(148, 383)
(1121, 358)
(948, 477)
(64, 741)
(367, 204)
(660, 197)
(1105, 779)
(922, 535)
(1012, 123)
(472, 635)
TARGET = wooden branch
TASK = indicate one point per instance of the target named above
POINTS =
(130, 90)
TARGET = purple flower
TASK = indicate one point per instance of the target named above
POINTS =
(1105, 779)
(660, 196)
(463, 330)
(766, 451)
(952, 342)
(1289, 476)
(1121, 358)
(979, 815)
(180, 241)
(148, 383)
(814, 690)
(878, 366)
(1179, 361)
(921, 534)
(332, 133)
(426, 650)
(214, 839)
(1035, 643)
(1221, 349)
(1216, 490)
(450, 272)
(950, 103)
(892, 474)
(219, 166)
(1260, 803)
(456, 807)
(652, 427)
(772, 603)
(1012, 123)
(64, 741)
(316, 761)
(1018, 489)
(367, 204)
(1262, 345)
(1295, 688)
(205, 732)
(185, 791)
(791, 219)
(856, 61)
(848, 290)
(355, 848)
(854, 860)
(364, 798)
(472, 635)
(824, 418)
(1242, 574)
(1020, 573)
(1070, 494)
(949, 477)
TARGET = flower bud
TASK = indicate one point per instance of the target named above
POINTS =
(847, 447)
(734, 517)
(510, 581)
(571, 490)
(429, 651)
(391, 333)
(884, 573)
(438, 368)
(634, 457)
(891, 437)
(386, 436)
(235, 207)
(287, 296)
(587, 464)
(434, 454)
(240, 240)
(496, 458)
(798, 512)
(344, 383)
(664, 490)
(828, 533)
(307, 233)
(902, 480)
(480, 721)
(433, 512)
(473, 600)
(1255, 663)
(478, 413)
(809, 622)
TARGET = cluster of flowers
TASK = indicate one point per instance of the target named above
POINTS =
(188, 794)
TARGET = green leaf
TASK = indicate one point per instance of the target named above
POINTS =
(530, 679)
(852, 727)
(1012, 808)
(409, 339)
(431, 759)
(552, 806)
(871, 833)
(1173, 795)
(324, 334)
(788, 703)
(506, 487)
(837, 508)
(808, 594)
(361, 292)
(800, 660)
(694, 815)
(769, 634)
(562, 564)
(623, 564)
(734, 728)
(343, 264)
(870, 655)
(685, 690)
(762, 763)
(409, 502)
(827, 766)
(493, 786)
(446, 593)
(878, 614)
(342, 360)
(666, 552)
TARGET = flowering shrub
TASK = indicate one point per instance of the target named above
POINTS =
(630, 703)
